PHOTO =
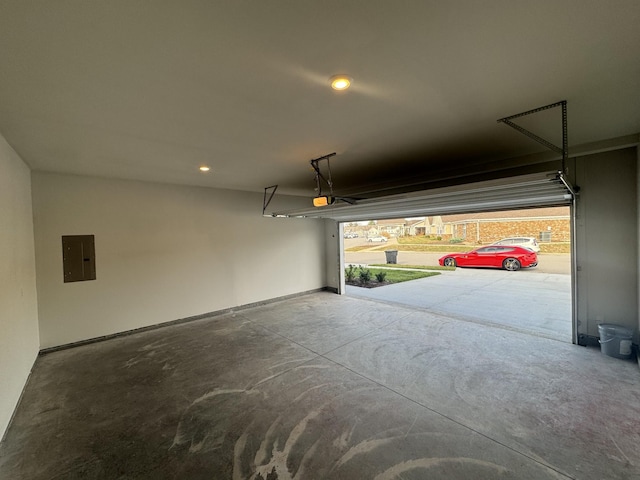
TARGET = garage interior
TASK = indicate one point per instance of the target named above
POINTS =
(209, 341)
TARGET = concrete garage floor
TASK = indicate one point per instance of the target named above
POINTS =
(526, 300)
(324, 386)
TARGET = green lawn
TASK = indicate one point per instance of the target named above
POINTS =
(559, 247)
(434, 248)
(391, 276)
(419, 239)
(397, 276)
(358, 248)
(414, 248)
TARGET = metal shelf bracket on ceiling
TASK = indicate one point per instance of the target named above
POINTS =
(265, 201)
(564, 150)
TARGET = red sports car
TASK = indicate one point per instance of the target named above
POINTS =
(497, 256)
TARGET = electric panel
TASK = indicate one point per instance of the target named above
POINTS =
(78, 258)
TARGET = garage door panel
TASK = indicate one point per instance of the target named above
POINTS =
(529, 191)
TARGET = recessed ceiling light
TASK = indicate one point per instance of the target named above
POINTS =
(340, 82)
(204, 168)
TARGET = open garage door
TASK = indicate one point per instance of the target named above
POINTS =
(528, 191)
(515, 193)
(381, 255)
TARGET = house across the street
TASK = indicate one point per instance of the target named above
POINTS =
(551, 224)
(544, 224)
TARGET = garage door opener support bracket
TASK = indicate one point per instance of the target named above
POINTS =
(564, 150)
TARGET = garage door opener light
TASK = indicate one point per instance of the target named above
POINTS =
(323, 201)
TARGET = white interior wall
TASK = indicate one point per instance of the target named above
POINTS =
(18, 300)
(164, 252)
(607, 240)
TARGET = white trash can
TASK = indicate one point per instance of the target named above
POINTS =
(615, 340)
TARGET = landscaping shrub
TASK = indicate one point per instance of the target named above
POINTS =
(365, 275)
(350, 273)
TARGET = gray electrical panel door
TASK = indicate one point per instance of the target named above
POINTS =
(78, 258)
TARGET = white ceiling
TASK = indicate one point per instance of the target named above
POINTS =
(151, 90)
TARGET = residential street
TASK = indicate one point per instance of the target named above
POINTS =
(547, 262)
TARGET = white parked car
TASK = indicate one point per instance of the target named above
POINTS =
(528, 242)
(377, 239)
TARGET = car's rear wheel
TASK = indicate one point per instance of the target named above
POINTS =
(511, 264)
(449, 262)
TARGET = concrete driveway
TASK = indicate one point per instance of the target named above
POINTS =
(528, 300)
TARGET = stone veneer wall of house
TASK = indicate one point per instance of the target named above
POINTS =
(492, 231)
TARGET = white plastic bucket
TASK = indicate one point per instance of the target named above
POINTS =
(615, 340)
